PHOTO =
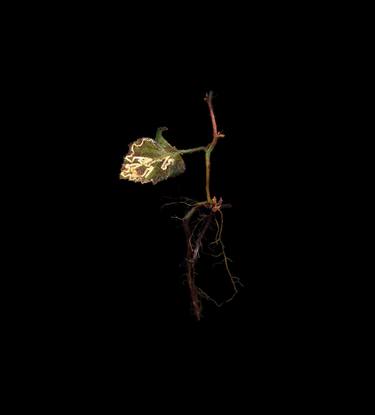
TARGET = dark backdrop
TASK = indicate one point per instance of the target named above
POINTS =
(117, 267)
(132, 252)
(97, 275)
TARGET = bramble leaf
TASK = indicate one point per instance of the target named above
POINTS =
(151, 161)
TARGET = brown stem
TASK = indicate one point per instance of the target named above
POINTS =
(215, 136)
(208, 99)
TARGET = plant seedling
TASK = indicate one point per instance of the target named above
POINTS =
(153, 160)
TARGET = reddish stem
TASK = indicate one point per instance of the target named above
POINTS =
(210, 146)
(215, 134)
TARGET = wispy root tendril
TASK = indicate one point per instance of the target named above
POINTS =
(196, 223)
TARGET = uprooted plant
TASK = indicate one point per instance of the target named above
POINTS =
(153, 160)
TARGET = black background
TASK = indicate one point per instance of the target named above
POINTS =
(112, 264)
(97, 277)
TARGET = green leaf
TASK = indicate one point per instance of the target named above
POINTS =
(149, 161)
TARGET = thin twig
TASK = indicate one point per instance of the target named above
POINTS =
(211, 145)
(215, 134)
